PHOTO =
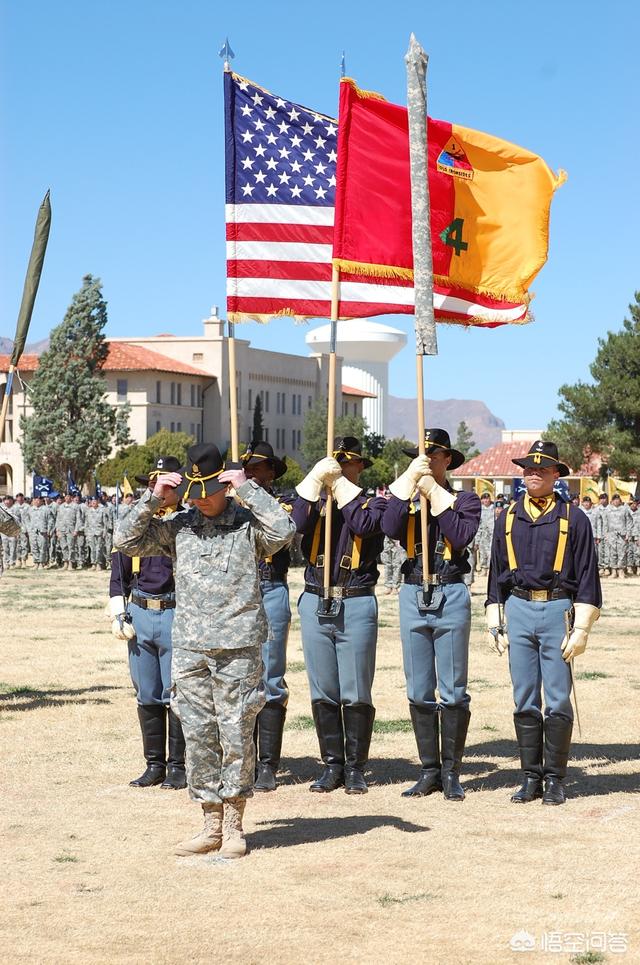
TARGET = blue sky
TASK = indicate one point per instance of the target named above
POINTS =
(117, 107)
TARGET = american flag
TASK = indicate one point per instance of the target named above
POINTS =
(280, 195)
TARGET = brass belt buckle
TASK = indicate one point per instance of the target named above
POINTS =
(336, 592)
(154, 604)
(539, 596)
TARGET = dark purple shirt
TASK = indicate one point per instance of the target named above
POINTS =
(361, 517)
(458, 525)
(155, 576)
(535, 544)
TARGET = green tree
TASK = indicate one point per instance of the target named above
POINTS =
(374, 444)
(258, 429)
(165, 443)
(73, 427)
(464, 442)
(291, 478)
(604, 417)
(314, 431)
(135, 461)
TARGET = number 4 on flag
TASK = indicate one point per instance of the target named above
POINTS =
(452, 236)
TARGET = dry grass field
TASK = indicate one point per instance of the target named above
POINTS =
(88, 870)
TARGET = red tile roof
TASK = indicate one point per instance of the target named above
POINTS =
(123, 357)
(495, 463)
(360, 393)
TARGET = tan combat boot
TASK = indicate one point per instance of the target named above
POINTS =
(233, 840)
(210, 838)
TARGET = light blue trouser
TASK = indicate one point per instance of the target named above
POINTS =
(150, 653)
(275, 598)
(340, 653)
(535, 633)
(435, 646)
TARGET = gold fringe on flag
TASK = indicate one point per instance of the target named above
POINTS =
(364, 94)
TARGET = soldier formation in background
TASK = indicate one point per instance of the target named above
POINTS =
(200, 595)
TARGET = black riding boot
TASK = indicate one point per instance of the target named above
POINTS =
(557, 744)
(454, 724)
(529, 734)
(176, 778)
(153, 724)
(427, 732)
(270, 725)
(328, 720)
(358, 727)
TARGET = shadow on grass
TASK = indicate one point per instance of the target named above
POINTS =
(288, 832)
(27, 698)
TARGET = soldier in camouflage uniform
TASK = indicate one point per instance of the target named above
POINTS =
(261, 464)
(95, 529)
(617, 527)
(634, 537)
(20, 511)
(218, 630)
(79, 540)
(9, 527)
(125, 507)
(591, 512)
(54, 546)
(602, 542)
(39, 532)
(392, 558)
(484, 536)
(9, 543)
(66, 520)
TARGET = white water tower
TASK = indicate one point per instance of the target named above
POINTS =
(367, 348)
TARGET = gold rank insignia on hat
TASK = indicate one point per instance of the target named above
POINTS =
(194, 470)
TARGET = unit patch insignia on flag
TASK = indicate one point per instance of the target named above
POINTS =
(453, 160)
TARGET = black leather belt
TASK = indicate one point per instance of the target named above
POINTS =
(148, 603)
(340, 592)
(540, 596)
(279, 582)
(431, 580)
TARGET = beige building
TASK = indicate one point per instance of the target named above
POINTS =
(181, 383)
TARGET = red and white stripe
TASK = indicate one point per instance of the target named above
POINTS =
(279, 261)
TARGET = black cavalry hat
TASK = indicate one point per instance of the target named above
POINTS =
(347, 449)
(544, 455)
(164, 464)
(200, 473)
(263, 452)
(435, 439)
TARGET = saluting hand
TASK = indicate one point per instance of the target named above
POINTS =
(165, 484)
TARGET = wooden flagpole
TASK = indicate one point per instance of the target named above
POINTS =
(426, 338)
(233, 394)
(331, 421)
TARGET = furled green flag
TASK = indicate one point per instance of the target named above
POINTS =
(34, 270)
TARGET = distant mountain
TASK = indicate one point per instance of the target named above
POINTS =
(31, 348)
(446, 414)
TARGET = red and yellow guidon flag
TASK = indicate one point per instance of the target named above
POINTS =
(490, 205)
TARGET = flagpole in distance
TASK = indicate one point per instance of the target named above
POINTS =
(426, 339)
(227, 55)
(31, 283)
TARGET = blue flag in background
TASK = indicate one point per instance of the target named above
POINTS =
(42, 486)
(72, 486)
(561, 488)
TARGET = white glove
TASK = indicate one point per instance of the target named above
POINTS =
(121, 629)
(576, 643)
(324, 473)
(439, 497)
(344, 491)
(404, 485)
(499, 641)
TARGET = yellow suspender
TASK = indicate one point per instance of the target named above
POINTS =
(315, 546)
(447, 549)
(135, 564)
(411, 533)
(355, 553)
(563, 535)
(507, 532)
(562, 541)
